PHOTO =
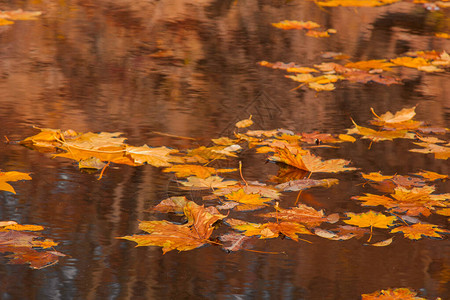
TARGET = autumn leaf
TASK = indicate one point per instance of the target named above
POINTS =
(211, 182)
(172, 236)
(370, 219)
(416, 231)
(6, 177)
(392, 294)
(357, 3)
(204, 154)
(303, 184)
(250, 201)
(440, 152)
(300, 214)
(287, 25)
(155, 156)
(411, 62)
(20, 14)
(260, 189)
(367, 65)
(376, 136)
(195, 170)
(244, 123)
(172, 204)
(311, 163)
(233, 241)
(376, 176)
(269, 230)
(21, 244)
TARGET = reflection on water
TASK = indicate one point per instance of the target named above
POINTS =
(189, 68)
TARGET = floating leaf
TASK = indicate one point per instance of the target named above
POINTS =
(392, 294)
(196, 170)
(244, 123)
(269, 230)
(287, 25)
(303, 184)
(233, 241)
(250, 201)
(172, 236)
(440, 152)
(21, 245)
(370, 219)
(172, 204)
(211, 182)
(300, 214)
(10, 177)
(311, 163)
(416, 231)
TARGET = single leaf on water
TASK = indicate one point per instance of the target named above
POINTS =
(155, 156)
(300, 214)
(195, 170)
(440, 152)
(370, 219)
(262, 190)
(311, 163)
(172, 236)
(376, 176)
(10, 177)
(368, 65)
(244, 123)
(20, 14)
(303, 184)
(287, 25)
(233, 241)
(417, 231)
(384, 243)
(212, 182)
(376, 136)
(249, 199)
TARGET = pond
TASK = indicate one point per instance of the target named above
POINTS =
(162, 71)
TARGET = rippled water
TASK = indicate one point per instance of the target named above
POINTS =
(189, 68)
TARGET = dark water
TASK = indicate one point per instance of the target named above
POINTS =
(91, 66)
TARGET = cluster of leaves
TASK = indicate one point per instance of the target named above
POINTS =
(390, 294)
(309, 26)
(8, 17)
(408, 197)
(24, 246)
(362, 71)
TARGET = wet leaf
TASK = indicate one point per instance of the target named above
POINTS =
(262, 190)
(233, 241)
(172, 236)
(172, 204)
(440, 152)
(416, 231)
(195, 170)
(287, 25)
(244, 123)
(211, 182)
(300, 214)
(431, 176)
(251, 201)
(381, 64)
(155, 156)
(12, 176)
(311, 163)
(23, 245)
(392, 294)
(382, 243)
(376, 176)
(269, 230)
(370, 219)
(376, 136)
(303, 184)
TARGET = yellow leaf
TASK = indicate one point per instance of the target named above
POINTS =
(370, 219)
(211, 182)
(20, 14)
(376, 176)
(158, 156)
(19, 227)
(321, 87)
(296, 25)
(368, 65)
(416, 231)
(392, 294)
(410, 62)
(244, 123)
(11, 176)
